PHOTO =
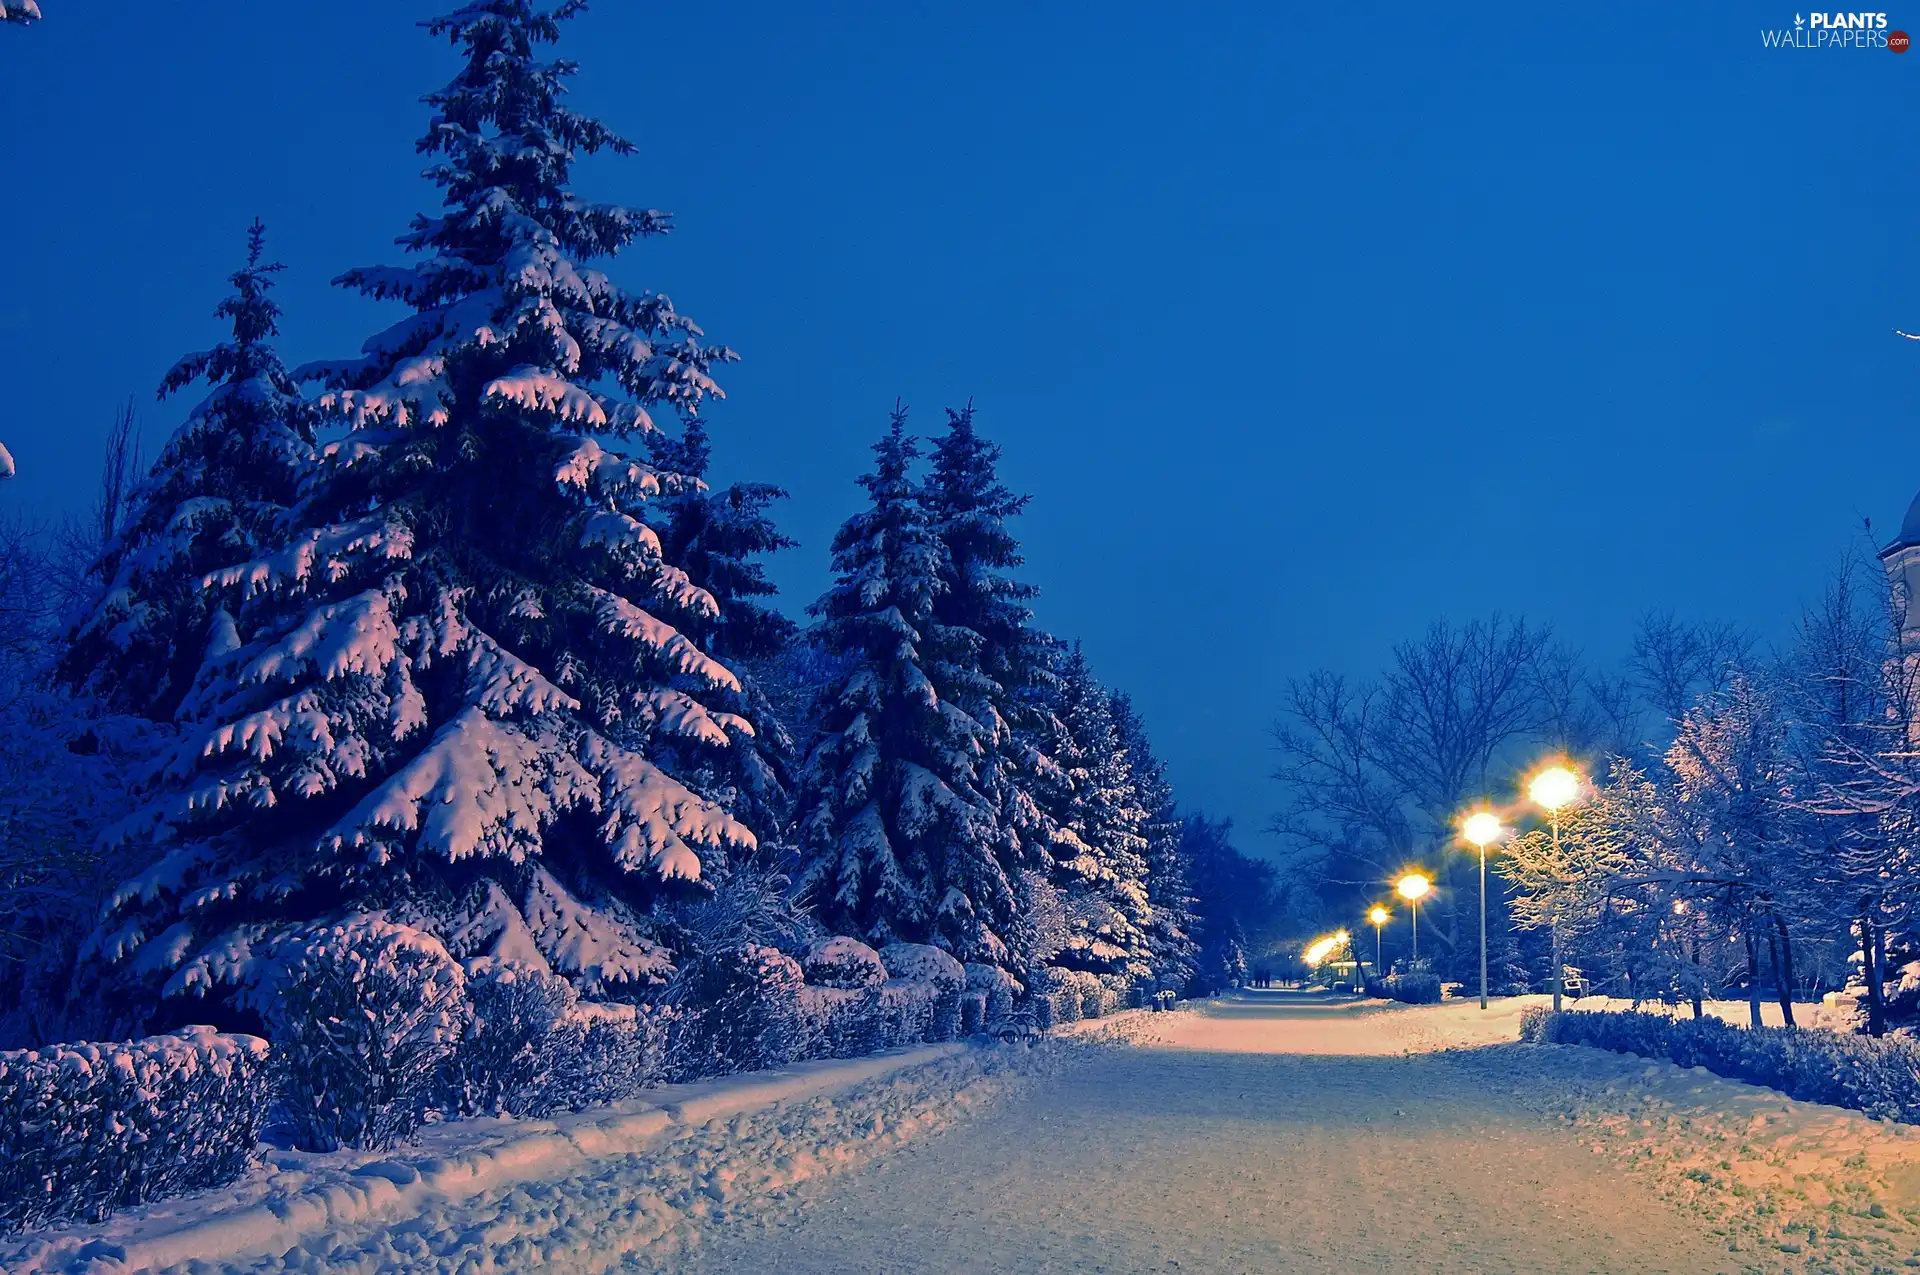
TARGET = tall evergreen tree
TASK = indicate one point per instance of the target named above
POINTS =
(414, 709)
(999, 665)
(720, 539)
(899, 838)
(1097, 848)
(218, 494)
(1170, 927)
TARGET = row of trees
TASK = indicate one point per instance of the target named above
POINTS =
(455, 633)
(1772, 841)
(1749, 823)
(1375, 773)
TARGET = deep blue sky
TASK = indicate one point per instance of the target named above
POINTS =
(1302, 324)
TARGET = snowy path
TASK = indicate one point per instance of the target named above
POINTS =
(1274, 1133)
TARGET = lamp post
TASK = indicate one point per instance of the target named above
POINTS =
(1553, 790)
(1482, 828)
(1379, 916)
(1412, 887)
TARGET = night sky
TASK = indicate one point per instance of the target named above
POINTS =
(1303, 324)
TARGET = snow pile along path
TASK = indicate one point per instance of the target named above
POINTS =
(584, 1191)
(1784, 1185)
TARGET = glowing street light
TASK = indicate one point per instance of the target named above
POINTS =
(1482, 828)
(1553, 790)
(1413, 887)
(1379, 916)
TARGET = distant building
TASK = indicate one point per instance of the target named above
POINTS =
(1902, 561)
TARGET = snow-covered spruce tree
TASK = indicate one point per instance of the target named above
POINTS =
(218, 494)
(1171, 927)
(995, 664)
(1097, 848)
(413, 710)
(720, 538)
(898, 840)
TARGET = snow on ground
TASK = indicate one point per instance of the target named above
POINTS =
(1261, 1132)
(1781, 1184)
(581, 1192)
(1267, 1132)
(1311, 1134)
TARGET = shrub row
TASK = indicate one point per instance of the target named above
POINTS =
(1880, 1076)
(376, 1026)
(1416, 988)
(88, 1128)
(1067, 996)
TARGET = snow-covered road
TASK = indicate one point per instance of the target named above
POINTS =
(1272, 1133)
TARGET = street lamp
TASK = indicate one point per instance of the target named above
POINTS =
(1482, 828)
(1412, 887)
(1379, 916)
(1553, 790)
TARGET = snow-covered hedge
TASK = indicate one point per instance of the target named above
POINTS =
(922, 963)
(87, 1128)
(844, 962)
(364, 1015)
(1076, 994)
(844, 1022)
(1880, 1076)
(533, 1048)
(998, 986)
(1415, 988)
(745, 1011)
(1067, 996)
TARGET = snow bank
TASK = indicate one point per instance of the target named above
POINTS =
(297, 1197)
(582, 1193)
(1786, 1184)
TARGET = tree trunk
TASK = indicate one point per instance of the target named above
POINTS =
(1693, 944)
(1870, 967)
(1783, 968)
(1753, 977)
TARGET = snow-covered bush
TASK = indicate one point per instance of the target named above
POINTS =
(905, 1013)
(87, 1128)
(842, 1022)
(1076, 994)
(363, 1014)
(1880, 1076)
(845, 1022)
(605, 1052)
(921, 962)
(533, 1048)
(973, 1012)
(503, 1061)
(999, 987)
(844, 962)
(743, 1012)
(1414, 987)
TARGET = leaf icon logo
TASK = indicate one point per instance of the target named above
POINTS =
(1799, 21)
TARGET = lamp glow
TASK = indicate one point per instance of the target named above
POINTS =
(1413, 886)
(1482, 828)
(1554, 788)
(1379, 915)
